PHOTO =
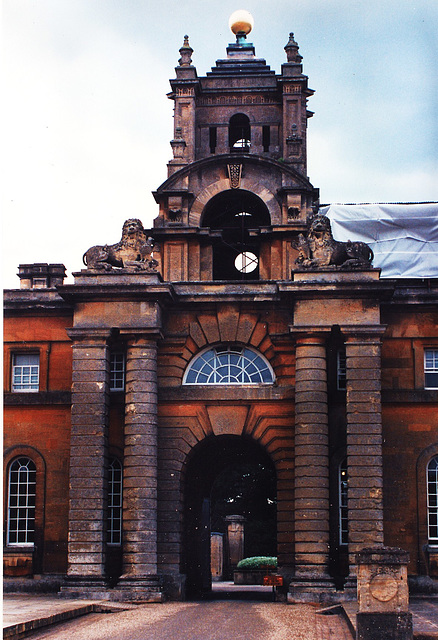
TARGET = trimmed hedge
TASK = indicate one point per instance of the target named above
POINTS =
(258, 562)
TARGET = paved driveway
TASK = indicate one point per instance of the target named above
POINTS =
(216, 620)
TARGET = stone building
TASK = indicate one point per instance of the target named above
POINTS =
(234, 334)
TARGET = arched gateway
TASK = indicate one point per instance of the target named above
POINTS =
(207, 363)
(226, 476)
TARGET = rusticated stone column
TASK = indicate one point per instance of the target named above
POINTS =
(364, 440)
(139, 578)
(88, 457)
(311, 469)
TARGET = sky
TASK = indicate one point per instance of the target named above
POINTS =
(87, 124)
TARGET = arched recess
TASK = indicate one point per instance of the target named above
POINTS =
(237, 215)
(239, 133)
(33, 454)
(196, 215)
(427, 554)
(215, 475)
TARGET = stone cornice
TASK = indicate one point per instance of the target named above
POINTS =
(91, 285)
(34, 302)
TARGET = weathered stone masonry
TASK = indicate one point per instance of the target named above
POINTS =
(364, 439)
(88, 455)
(311, 457)
(140, 460)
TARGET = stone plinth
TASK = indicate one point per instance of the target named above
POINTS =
(236, 538)
(383, 597)
(334, 274)
(217, 556)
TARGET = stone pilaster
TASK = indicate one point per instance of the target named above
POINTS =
(139, 579)
(364, 440)
(88, 462)
(311, 470)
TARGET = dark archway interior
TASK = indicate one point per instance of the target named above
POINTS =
(238, 215)
(227, 475)
(239, 133)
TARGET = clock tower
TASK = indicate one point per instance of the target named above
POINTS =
(237, 191)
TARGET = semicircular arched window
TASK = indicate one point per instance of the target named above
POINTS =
(21, 502)
(432, 501)
(229, 364)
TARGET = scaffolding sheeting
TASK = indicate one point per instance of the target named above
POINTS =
(403, 237)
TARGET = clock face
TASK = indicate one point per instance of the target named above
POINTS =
(246, 262)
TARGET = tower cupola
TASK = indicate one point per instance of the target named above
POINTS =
(237, 192)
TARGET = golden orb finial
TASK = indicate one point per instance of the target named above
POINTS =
(241, 21)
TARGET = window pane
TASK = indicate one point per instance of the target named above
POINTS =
(432, 500)
(114, 523)
(431, 368)
(343, 503)
(25, 372)
(431, 380)
(117, 371)
(341, 370)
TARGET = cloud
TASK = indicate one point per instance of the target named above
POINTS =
(87, 123)
(85, 142)
(344, 175)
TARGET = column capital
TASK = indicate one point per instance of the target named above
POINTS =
(85, 334)
(315, 334)
(359, 333)
(143, 334)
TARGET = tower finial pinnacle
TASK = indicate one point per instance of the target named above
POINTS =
(241, 23)
(292, 49)
(186, 53)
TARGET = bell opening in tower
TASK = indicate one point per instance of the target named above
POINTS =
(239, 133)
(238, 216)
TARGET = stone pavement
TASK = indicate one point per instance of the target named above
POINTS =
(48, 617)
(207, 620)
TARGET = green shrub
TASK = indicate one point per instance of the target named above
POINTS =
(258, 562)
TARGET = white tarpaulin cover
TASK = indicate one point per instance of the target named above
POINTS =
(403, 237)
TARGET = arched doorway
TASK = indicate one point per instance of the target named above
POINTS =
(238, 215)
(227, 475)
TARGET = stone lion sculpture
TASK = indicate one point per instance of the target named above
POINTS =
(319, 249)
(133, 252)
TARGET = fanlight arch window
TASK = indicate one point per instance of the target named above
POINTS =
(229, 364)
(432, 501)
